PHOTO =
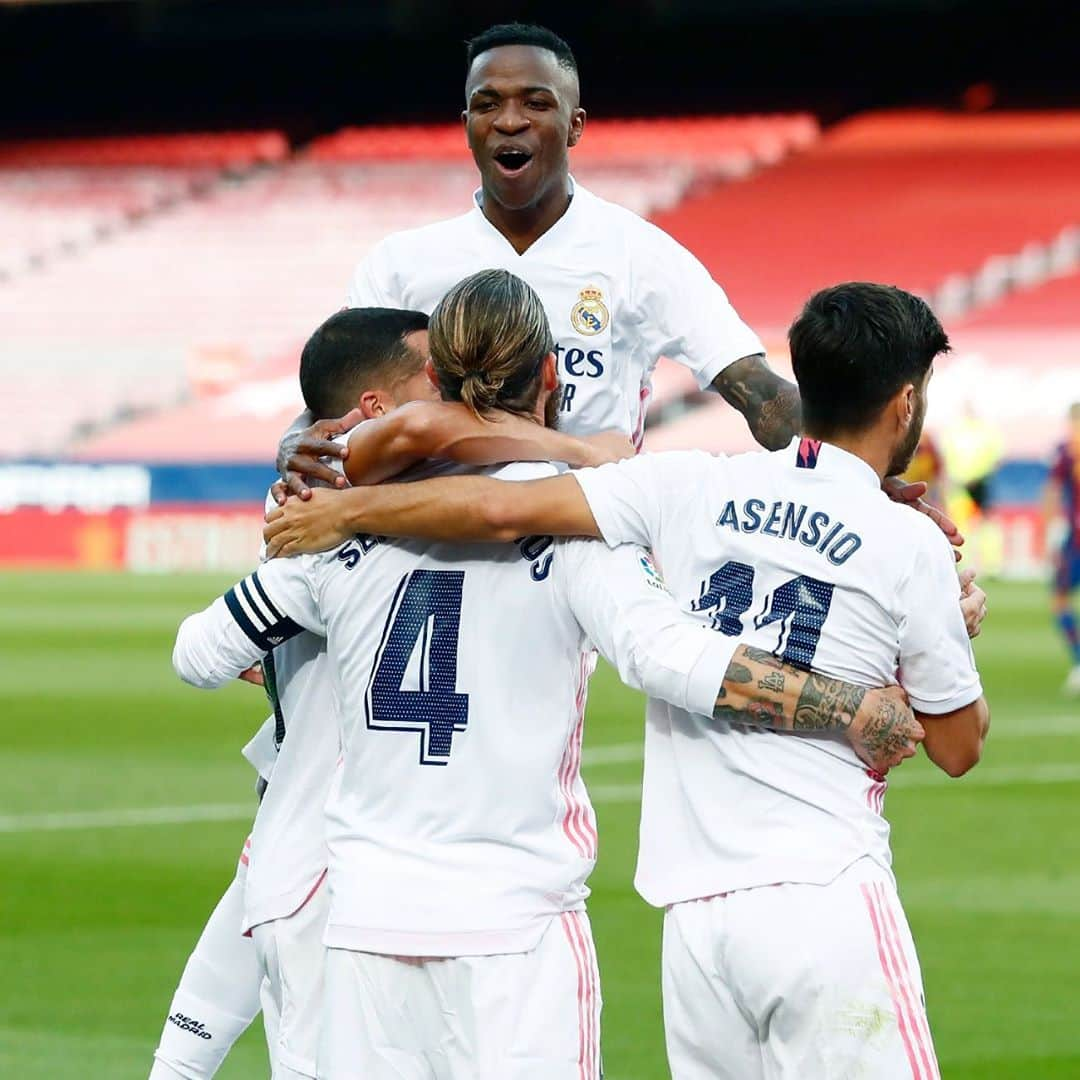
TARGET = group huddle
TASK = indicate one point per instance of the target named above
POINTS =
(411, 903)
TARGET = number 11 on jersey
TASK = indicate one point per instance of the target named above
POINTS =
(419, 645)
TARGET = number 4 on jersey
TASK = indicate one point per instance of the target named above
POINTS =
(800, 606)
(420, 643)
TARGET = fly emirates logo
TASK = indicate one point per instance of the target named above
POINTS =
(577, 364)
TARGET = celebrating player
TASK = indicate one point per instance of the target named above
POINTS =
(786, 951)
(460, 833)
(1063, 503)
(365, 362)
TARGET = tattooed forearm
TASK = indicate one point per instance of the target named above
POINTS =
(826, 703)
(769, 403)
(762, 689)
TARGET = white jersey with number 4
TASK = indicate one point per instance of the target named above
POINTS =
(458, 823)
(619, 294)
(801, 552)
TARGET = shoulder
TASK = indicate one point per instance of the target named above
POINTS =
(425, 239)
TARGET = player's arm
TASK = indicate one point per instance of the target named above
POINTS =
(631, 494)
(445, 508)
(619, 600)
(450, 431)
(1054, 491)
(954, 740)
(769, 403)
(239, 628)
(937, 665)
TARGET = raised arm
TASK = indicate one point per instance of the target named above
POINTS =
(446, 508)
(449, 431)
(769, 403)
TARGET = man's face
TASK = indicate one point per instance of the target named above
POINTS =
(905, 450)
(521, 116)
(417, 387)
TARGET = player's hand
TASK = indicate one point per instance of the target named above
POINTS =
(301, 453)
(912, 495)
(317, 524)
(972, 603)
(254, 675)
(608, 446)
(884, 731)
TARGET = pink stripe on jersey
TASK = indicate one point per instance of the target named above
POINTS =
(589, 995)
(902, 1020)
(566, 921)
(594, 985)
(643, 407)
(875, 793)
(577, 822)
(903, 970)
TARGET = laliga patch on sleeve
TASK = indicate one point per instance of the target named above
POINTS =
(650, 570)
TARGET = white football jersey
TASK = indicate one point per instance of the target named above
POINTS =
(295, 751)
(619, 293)
(458, 823)
(802, 553)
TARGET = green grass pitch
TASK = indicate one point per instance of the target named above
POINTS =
(96, 922)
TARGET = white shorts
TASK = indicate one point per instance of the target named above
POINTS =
(519, 1016)
(796, 981)
(292, 956)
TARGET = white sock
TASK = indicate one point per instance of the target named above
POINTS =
(217, 999)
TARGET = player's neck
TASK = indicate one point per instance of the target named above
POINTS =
(522, 228)
(866, 445)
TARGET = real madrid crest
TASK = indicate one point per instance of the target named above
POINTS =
(589, 315)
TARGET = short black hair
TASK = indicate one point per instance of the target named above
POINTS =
(355, 350)
(515, 33)
(854, 346)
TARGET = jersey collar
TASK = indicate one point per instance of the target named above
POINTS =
(555, 230)
(824, 459)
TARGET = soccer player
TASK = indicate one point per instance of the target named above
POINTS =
(619, 292)
(786, 950)
(460, 833)
(366, 362)
(1063, 503)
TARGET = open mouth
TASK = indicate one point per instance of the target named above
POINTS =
(512, 162)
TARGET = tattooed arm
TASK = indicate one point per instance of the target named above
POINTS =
(761, 690)
(769, 403)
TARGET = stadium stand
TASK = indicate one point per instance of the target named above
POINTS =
(911, 198)
(223, 288)
(57, 195)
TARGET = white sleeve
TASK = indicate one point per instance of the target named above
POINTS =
(937, 665)
(631, 499)
(619, 599)
(371, 284)
(257, 614)
(684, 313)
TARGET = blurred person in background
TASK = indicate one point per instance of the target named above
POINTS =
(1062, 505)
(928, 467)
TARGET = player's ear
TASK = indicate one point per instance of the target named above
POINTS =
(549, 373)
(429, 370)
(906, 405)
(371, 404)
(577, 126)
